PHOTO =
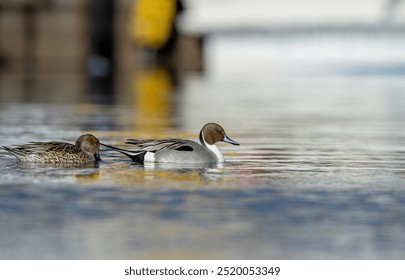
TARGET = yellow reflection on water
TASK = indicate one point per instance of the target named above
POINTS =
(155, 175)
(152, 98)
(87, 178)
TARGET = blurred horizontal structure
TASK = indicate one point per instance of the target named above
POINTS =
(207, 16)
(349, 37)
(45, 46)
(49, 41)
(51, 31)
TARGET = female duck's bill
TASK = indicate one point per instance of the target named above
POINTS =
(179, 150)
(85, 150)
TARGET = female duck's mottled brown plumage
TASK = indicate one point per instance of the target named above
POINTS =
(85, 150)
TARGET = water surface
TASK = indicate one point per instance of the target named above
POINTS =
(319, 173)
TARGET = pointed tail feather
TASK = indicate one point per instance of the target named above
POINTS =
(13, 152)
(136, 156)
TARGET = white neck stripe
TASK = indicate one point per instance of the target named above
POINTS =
(213, 148)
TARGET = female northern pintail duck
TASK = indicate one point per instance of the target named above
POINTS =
(85, 150)
(179, 150)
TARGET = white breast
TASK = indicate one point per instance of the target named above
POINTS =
(213, 148)
(149, 157)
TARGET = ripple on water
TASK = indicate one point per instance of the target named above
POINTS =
(319, 174)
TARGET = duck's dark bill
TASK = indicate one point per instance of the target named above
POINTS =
(230, 141)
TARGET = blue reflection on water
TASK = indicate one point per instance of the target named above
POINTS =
(276, 222)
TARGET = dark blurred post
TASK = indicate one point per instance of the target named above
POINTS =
(30, 17)
(167, 50)
(2, 59)
(100, 65)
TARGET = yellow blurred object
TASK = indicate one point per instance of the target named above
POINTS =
(152, 21)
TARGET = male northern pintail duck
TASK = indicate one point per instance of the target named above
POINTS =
(180, 150)
(85, 150)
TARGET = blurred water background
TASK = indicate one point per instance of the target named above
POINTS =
(314, 92)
